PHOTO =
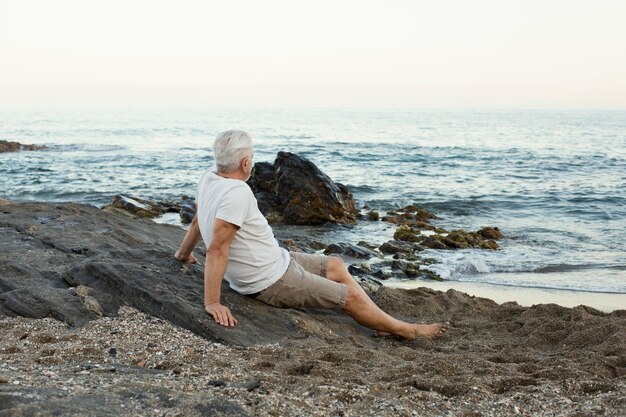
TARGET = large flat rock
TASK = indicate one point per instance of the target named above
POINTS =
(48, 250)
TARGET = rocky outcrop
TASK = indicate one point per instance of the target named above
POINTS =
(295, 190)
(140, 207)
(412, 215)
(8, 146)
(292, 190)
(136, 206)
(76, 263)
(414, 228)
(348, 249)
(456, 239)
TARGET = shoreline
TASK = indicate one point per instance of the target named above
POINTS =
(524, 296)
(112, 325)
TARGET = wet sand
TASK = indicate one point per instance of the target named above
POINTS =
(606, 302)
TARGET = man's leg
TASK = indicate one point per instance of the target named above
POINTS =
(362, 309)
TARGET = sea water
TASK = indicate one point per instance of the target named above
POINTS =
(553, 181)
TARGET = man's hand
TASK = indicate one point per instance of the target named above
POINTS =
(221, 314)
(188, 260)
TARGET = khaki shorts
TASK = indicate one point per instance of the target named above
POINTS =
(304, 285)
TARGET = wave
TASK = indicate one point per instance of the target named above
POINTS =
(548, 269)
(90, 147)
(544, 287)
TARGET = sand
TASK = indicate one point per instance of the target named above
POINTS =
(496, 360)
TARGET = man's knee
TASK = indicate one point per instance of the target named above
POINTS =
(355, 298)
(335, 264)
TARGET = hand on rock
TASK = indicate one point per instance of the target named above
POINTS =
(221, 314)
(188, 260)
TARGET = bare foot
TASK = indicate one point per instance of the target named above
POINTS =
(431, 331)
(427, 331)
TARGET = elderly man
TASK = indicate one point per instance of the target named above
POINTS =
(242, 249)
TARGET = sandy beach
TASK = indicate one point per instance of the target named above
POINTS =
(497, 360)
(524, 296)
(113, 325)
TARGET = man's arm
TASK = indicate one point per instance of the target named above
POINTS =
(214, 268)
(192, 237)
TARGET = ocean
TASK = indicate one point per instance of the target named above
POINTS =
(553, 181)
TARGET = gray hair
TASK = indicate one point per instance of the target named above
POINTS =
(230, 148)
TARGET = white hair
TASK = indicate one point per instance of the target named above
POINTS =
(230, 148)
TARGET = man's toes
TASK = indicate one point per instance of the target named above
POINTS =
(443, 329)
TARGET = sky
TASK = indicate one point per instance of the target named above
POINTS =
(340, 53)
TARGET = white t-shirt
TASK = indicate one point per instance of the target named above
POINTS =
(255, 261)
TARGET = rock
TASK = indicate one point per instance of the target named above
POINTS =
(113, 352)
(315, 245)
(367, 245)
(248, 385)
(129, 265)
(412, 215)
(460, 239)
(82, 290)
(490, 233)
(297, 190)
(136, 206)
(274, 217)
(7, 146)
(187, 210)
(373, 216)
(393, 247)
(290, 245)
(433, 242)
(407, 234)
(360, 269)
(456, 239)
(93, 305)
(413, 270)
(350, 250)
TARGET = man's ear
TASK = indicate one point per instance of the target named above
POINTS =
(245, 162)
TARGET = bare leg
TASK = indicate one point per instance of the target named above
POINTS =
(362, 309)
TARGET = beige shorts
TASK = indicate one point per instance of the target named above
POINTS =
(304, 285)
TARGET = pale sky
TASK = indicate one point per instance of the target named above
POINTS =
(425, 54)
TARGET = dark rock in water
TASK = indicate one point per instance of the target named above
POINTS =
(407, 234)
(412, 215)
(8, 146)
(433, 242)
(373, 216)
(350, 250)
(395, 246)
(413, 270)
(490, 233)
(263, 178)
(302, 194)
(360, 269)
(263, 184)
(315, 245)
(150, 209)
(460, 239)
(367, 245)
(187, 210)
(456, 239)
(136, 206)
(126, 261)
